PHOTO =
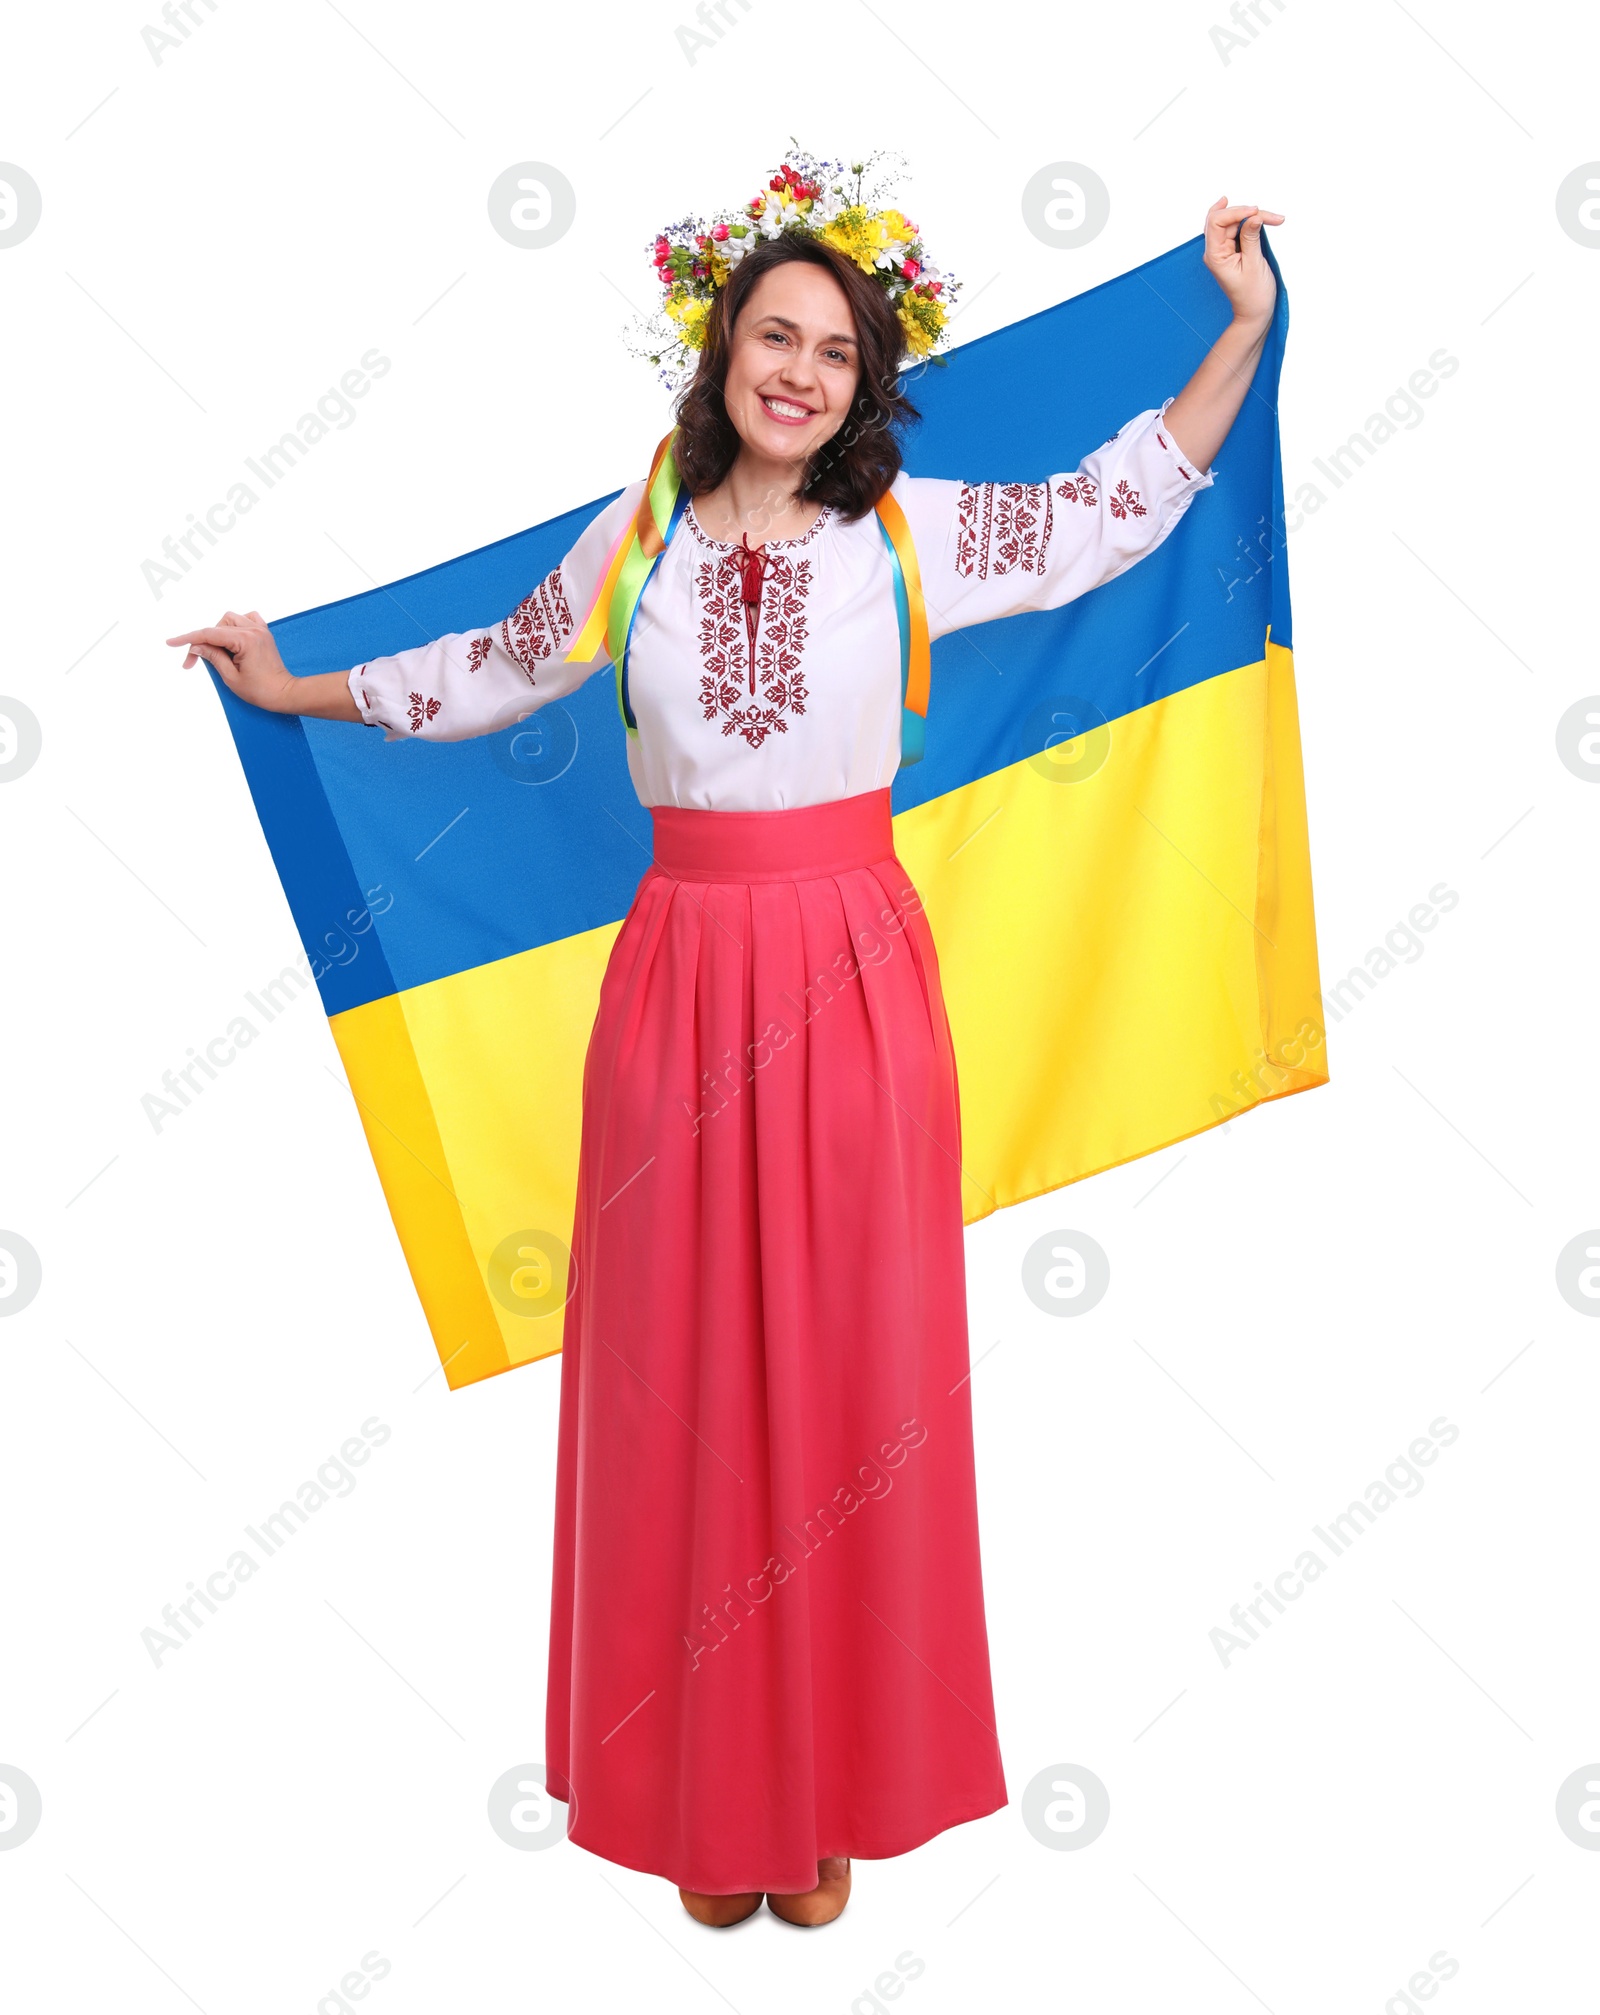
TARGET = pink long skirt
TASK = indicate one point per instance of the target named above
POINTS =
(767, 1638)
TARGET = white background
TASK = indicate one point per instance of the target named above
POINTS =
(224, 1302)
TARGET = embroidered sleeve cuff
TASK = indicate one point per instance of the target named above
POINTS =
(1198, 479)
(363, 695)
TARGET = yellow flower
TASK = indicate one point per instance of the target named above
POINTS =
(690, 316)
(922, 318)
(862, 236)
(858, 236)
(918, 341)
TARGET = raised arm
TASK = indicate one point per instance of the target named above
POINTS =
(1208, 405)
(472, 682)
(988, 550)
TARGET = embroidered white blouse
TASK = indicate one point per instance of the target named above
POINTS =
(816, 716)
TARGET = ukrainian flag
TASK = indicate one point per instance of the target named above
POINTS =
(1108, 828)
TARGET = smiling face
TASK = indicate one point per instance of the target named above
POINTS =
(793, 362)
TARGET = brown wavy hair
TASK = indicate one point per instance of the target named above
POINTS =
(853, 468)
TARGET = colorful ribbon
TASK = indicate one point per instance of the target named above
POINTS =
(638, 551)
(912, 612)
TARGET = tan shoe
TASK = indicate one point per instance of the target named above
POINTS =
(720, 1911)
(820, 1905)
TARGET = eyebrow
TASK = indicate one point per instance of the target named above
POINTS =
(784, 322)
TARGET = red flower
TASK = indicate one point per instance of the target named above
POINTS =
(663, 249)
(910, 268)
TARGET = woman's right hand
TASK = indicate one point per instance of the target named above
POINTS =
(241, 651)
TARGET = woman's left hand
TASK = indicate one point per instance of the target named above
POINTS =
(1233, 258)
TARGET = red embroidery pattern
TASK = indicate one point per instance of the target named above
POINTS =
(1078, 489)
(537, 627)
(478, 652)
(773, 546)
(1003, 528)
(1125, 502)
(752, 702)
(966, 528)
(421, 710)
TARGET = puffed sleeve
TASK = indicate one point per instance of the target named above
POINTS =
(477, 682)
(987, 550)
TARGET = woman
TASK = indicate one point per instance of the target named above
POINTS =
(767, 1649)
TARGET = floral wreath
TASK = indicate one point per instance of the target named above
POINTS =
(828, 200)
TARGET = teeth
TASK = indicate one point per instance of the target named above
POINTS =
(789, 412)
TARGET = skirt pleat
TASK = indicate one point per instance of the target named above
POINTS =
(767, 1637)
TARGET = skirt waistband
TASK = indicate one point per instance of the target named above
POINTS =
(792, 845)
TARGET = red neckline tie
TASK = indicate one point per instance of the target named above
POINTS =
(752, 569)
